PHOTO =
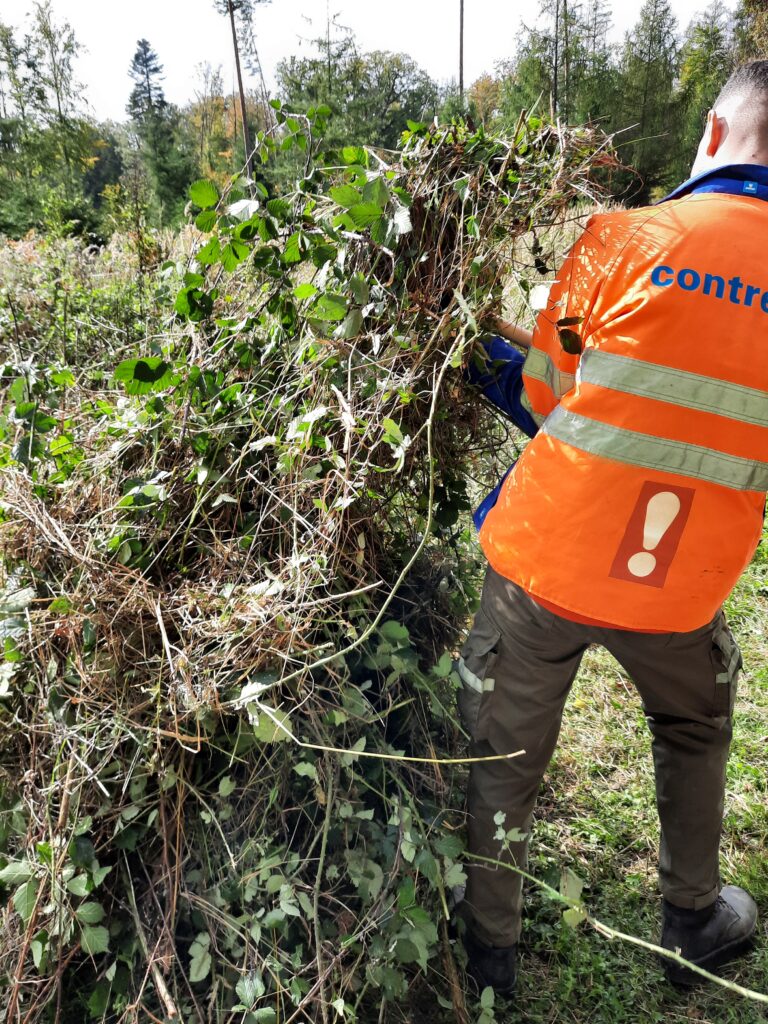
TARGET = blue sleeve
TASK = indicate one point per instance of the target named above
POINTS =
(501, 381)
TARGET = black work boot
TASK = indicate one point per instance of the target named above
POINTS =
(708, 937)
(491, 965)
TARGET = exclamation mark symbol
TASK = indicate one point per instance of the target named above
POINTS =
(663, 508)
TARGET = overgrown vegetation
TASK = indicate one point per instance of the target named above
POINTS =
(235, 559)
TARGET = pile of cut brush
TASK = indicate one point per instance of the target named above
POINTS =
(233, 566)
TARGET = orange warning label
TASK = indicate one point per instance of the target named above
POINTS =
(653, 534)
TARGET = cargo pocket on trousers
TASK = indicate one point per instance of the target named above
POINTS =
(475, 671)
(726, 657)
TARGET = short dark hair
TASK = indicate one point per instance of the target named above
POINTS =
(749, 78)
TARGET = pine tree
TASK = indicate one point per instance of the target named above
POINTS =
(649, 67)
(158, 132)
(707, 60)
(751, 30)
(147, 99)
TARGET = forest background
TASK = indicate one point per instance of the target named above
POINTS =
(65, 172)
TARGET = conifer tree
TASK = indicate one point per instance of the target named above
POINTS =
(648, 70)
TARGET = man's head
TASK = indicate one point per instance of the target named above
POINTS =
(737, 124)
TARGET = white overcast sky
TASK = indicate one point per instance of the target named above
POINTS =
(186, 33)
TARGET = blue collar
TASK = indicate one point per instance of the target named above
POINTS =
(734, 179)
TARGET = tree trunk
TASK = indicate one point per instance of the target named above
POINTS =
(461, 50)
(243, 111)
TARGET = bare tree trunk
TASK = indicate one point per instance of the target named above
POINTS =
(557, 56)
(461, 50)
(243, 112)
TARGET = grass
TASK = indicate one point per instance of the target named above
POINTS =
(596, 814)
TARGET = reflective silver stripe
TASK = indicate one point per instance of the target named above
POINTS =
(659, 453)
(525, 401)
(691, 390)
(473, 681)
(539, 366)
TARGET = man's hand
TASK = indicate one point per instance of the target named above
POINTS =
(512, 332)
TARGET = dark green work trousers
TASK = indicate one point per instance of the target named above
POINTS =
(516, 669)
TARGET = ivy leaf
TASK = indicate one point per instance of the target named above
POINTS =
(94, 940)
(267, 728)
(570, 341)
(203, 193)
(141, 376)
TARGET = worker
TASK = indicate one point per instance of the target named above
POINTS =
(626, 522)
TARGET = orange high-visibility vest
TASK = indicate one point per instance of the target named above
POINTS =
(641, 499)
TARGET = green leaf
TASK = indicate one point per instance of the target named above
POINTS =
(487, 998)
(392, 432)
(205, 220)
(352, 325)
(354, 155)
(394, 631)
(360, 290)
(364, 214)
(574, 917)
(376, 192)
(306, 768)
(203, 193)
(296, 247)
(94, 940)
(16, 872)
(227, 786)
(322, 253)
(200, 957)
(305, 291)
(38, 947)
(570, 341)
(209, 253)
(346, 195)
(141, 376)
(329, 306)
(571, 886)
(24, 899)
(250, 988)
(90, 913)
(78, 885)
(455, 875)
(233, 254)
(265, 1015)
(443, 668)
(267, 728)
(63, 378)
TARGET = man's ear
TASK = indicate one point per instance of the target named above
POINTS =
(714, 133)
